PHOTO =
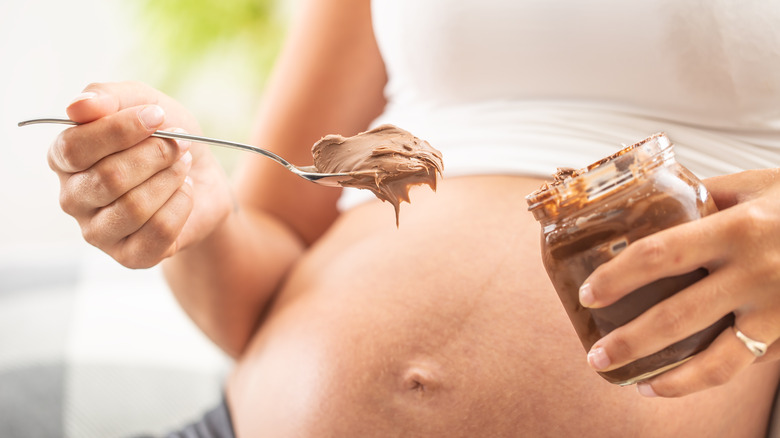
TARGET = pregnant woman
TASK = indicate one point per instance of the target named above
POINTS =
(344, 325)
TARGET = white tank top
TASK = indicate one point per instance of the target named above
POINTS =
(526, 86)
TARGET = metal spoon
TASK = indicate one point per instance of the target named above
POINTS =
(309, 173)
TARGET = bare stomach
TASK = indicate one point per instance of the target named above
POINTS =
(446, 327)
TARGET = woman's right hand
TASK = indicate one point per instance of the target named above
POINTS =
(138, 198)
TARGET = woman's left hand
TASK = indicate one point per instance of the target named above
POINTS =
(740, 247)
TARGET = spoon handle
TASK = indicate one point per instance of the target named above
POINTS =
(180, 136)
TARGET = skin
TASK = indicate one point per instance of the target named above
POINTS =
(343, 325)
(369, 338)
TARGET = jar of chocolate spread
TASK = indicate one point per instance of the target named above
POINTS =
(588, 216)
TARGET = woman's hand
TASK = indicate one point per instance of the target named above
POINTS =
(740, 247)
(138, 198)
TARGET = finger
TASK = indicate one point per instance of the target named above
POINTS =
(80, 147)
(113, 223)
(721, 362)
(772, 354)
(118, 173)
(760, 324)
(729, 190)
(666, 323)
(664, 254)
(159, 237)
(102, 99)
(690, 311)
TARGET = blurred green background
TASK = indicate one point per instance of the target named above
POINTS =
(214, 56)
(185, 34)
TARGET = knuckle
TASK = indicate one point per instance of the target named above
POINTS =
(165, 229)
(61, 153)
(185, 191)
(90, 232)
(163, 150)
(112, 218)
(621, 348)
(178, 170)
(71, 202)
(650, 250)
(116, 131)
(754, 222)
(717, 373)
(112, 178)
(125, 259)
(133, 255)
(133, 206)
(80, 193)
(602, 284)
(68, 150)
(671, 321)
(53, 156)
(103, 227)
(66, 203)
(128, 261)
(721, 291)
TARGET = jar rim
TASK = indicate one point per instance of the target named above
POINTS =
(569, 183)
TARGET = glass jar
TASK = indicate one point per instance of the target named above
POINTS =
(588, 216)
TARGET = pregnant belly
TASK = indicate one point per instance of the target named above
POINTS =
(445, 326)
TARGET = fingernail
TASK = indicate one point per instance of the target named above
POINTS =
(586, 295)
(188, 180)
(83, 96)
(598, 359)
(186, 158)
(646, 390)
(151, 116)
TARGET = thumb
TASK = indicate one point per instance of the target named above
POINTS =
(90, 106)
(730, 190)
(102, 99)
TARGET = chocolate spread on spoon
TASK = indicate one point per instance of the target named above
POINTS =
(386, 160)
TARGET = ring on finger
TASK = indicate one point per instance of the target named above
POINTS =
(757, 348)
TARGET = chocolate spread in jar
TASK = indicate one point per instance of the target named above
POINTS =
(386, 160)
(590, 215)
